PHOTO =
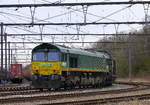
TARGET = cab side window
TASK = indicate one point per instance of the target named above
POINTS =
(64, 57)
(73, 62)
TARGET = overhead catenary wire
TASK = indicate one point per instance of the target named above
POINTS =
(91, 34)
(40, 20)
(20, 42)
(82, 24)
(105, 16)
(30, 18)
(73, 4)
(112, 13)
(133, 3)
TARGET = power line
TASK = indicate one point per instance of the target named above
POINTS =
(92, 34)
(82, 24)
(113, 13)
(18, 49)
(73, 4)
(69, 42)
(62, 14)
(78, 10)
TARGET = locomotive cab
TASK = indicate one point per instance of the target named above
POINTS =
(46, 67)
(46, 63)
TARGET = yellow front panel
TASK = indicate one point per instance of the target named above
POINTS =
(46, 68)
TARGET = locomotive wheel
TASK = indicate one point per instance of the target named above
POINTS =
(72, 85)
(78, 85)
(41, 89)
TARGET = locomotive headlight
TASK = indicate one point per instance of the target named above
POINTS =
(35, 71)
(35, 68)
(56, 71)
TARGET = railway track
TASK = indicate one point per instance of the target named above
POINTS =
(31, 91)
(15, 88)
(55, 95)
(104, 101)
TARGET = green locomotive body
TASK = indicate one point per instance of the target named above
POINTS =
(55, 66)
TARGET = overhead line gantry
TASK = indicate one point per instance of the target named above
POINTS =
(92, 34)
(82, 24)
(73, 4)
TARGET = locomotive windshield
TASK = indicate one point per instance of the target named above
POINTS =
(39, 56)
(53, 56)
(44, 56)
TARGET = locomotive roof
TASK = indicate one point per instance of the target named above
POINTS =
(73, 50)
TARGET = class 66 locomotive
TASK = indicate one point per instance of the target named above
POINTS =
(57, 66)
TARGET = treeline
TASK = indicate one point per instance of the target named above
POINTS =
(133, 48)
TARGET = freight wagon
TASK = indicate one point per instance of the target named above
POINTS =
(16, 74)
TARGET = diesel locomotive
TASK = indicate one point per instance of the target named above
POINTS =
(57, 66)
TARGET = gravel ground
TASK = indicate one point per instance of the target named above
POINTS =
(137, 102)
(143, 102)
(9, 84)
(100, 96)
(143, 79)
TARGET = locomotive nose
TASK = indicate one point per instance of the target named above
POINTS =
(46, 68)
